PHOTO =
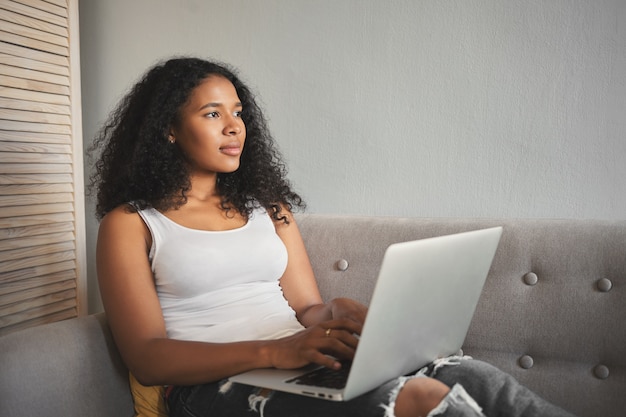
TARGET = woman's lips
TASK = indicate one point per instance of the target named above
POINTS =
(232, 150)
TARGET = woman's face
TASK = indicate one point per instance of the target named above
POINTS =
(210, 131)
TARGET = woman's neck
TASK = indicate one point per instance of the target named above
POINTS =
(203, 188)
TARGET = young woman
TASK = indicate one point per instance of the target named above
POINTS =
(203, 272)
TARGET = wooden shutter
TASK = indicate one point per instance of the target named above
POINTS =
(42, 255)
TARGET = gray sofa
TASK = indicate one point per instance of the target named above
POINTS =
(553, 314)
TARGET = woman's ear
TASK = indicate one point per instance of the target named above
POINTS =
(171, 137)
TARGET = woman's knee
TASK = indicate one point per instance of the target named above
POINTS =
(419, 396)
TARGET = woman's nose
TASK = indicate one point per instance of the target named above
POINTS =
(233, 127)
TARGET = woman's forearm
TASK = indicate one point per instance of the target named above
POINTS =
(175, 362)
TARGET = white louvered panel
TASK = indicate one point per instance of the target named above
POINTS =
(60, 3)
(35, 169)
(36, 148)
(17, 211)
(23, 189)
(33, 106)
(49, 301)
(46, 300)
(40, 218)
(53, 7)
(35, 75)
(37, 9)
(21, 61)
(34, 240)
(10, 179)
(40, 86)
(39, 320)
(23, 295)
(35, 199)
(42, 281)
(43, 58)
(30, 22)
(36, 127)
(22, 158)
(40, 137)
(37, 308)
(35, 33)
(30, 116)
(36, 271)
(31, 251)
(35, 261)
(33, 43)
(37, 96)
(38, 225)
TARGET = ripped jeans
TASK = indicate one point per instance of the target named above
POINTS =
(478, 390)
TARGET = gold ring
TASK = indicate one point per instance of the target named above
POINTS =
(328, 332)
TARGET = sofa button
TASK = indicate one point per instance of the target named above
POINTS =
(601, 372)
(342, 264)
(604, 285)
(530, 278)
(526, 362)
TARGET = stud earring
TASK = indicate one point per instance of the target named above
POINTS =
(171, 139)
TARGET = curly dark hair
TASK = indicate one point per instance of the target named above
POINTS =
(138, 164)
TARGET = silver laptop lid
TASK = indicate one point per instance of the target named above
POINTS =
(422, 305)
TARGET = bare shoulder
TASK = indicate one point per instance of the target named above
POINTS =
(121, 215)
(123, 222)
(287, 229)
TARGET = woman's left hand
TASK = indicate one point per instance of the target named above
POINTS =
(346, 308)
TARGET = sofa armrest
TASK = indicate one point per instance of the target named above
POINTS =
(65, 369)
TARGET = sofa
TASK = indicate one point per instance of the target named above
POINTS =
(552, 314)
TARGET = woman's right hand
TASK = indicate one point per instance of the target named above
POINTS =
(323, 344)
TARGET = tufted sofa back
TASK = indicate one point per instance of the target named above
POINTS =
(553, 310)
(553, 314)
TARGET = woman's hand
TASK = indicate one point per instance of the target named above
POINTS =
(323, 344)
(347, 308)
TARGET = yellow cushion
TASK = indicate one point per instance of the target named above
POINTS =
(149, 401)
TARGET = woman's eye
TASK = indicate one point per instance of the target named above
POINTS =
(212, 114)
(238, 113)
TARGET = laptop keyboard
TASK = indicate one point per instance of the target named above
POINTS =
(324, 377)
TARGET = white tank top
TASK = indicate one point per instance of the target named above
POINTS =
(220, 286)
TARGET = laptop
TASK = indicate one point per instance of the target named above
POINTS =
(420, 310)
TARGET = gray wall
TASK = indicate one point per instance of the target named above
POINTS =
(487, 108)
